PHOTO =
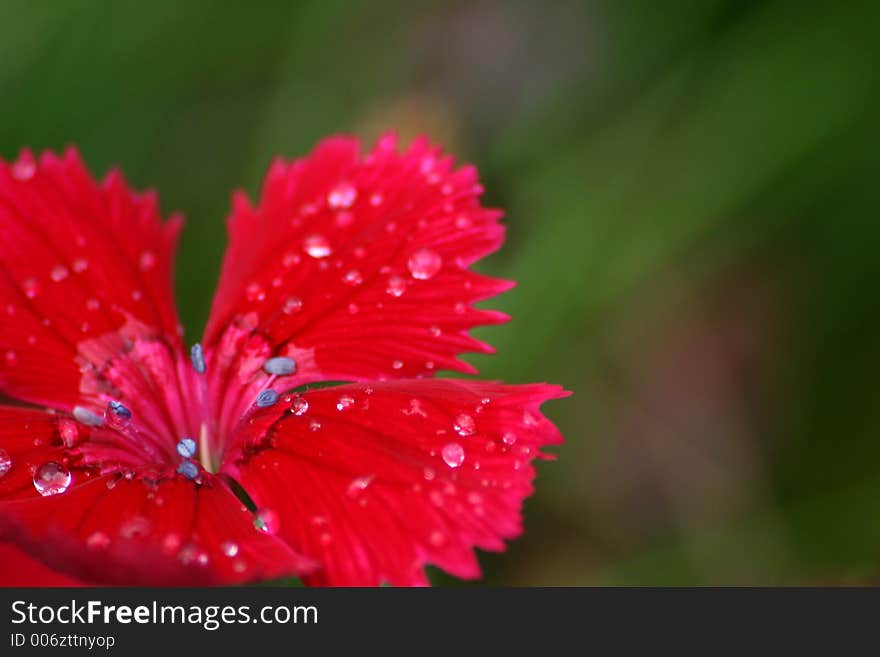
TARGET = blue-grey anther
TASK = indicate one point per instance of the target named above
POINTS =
(267, 398)
(119, 410)
(197, 356)
(88, 418)
(186, 448)
(188, 469)
(280, 366)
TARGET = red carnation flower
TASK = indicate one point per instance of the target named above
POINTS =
(129, 456)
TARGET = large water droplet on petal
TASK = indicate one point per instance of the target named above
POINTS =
(453, 455)
(267, 521)
(342, 196)
(396, 286)
(299, 406)
(5, 462)
(52, 478)
(317, 246)
(424, 263)
(69, 432)
(464, 425)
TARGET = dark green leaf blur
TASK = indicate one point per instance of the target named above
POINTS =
(692, 197)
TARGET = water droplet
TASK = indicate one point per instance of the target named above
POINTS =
(69, 432)
(280, 366)
(464, 425)
(267, 521)
(193, 555)
(52, 478)
(424, 263)
(376, 199)
(346, 401)
(255, 292)
(342, 196)
(80, 265)
(509, 438)
(453, 455)
(317, 246)
(267, 398)
(229, 548)
(353, 277)
(396, 286)
(187, 447)
(98, 541)
(397, 364)
(11, 358)
(292, 305)
(353, 309)
(299, 406)
(529, 419)
(325, 539)
(188, 469)
(315, 425)
(31, 287)
(5, 462)
(437, 539)
(147, 261)
(59, 273)
(429, 474)
(359, 485)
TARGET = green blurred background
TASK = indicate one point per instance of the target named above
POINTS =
(691, 191)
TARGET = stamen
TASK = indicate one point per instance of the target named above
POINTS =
(188, 469)
(267, 398)
(119, 410)
(197, 357)
(87, 417)
(186, 448)
(280, 366)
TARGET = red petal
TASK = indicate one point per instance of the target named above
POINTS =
(17, 568)
(140, 528)
(375, 481)
(85, 268)
(355, 266)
